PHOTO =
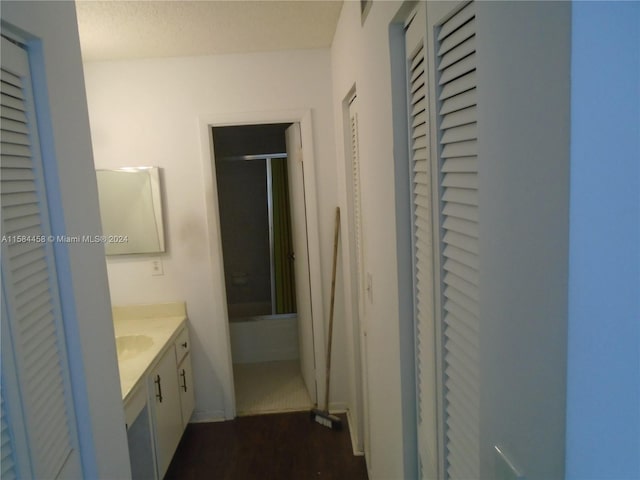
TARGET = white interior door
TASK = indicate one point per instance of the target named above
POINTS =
(295, 167)
(422, 232)
(457, 208)
(357, 283)
(39, 428)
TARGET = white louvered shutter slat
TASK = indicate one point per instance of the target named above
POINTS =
(458, 102)
(461, 270)
(13, 114)
(418, 81)
(461, 180)
(458, 375)
(467, 64)
(419, 94)
(458, 225)
(420, 165)
(456, 21)
(34, 294)
(458, 343)
(459, 133)
(457, 53)
(462, 285)
(29, 257)
(419, 143)
(461, 164)
(460, 117)
(459, 85)
(465, 148)
(460, 35)
(30, 282)
(467, 212)
(458, 212)
(419, 106)
(456, 397)
(464, 331)
(461, 256)
(465, 197)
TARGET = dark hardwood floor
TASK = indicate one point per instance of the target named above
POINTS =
(284, 446)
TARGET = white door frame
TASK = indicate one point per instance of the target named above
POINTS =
(214, 238)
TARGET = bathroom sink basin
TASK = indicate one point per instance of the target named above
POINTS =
(129, 346)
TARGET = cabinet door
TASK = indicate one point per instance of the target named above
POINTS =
(165, 398)
(141, 447)
(187, 399)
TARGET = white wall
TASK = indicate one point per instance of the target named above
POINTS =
(603, 384)
(360, 55)
(147, 112)
(52, 30)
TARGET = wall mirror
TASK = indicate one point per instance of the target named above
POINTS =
(131, 210)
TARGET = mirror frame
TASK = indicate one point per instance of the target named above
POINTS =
(115, 242)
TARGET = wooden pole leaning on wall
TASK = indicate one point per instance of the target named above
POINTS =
(323, 417)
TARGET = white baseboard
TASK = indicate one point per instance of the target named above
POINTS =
(354, 440)
(208, 416)
(337, 407)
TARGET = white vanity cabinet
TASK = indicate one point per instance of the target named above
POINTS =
(166, 412)
(185, 377)
(154, 359)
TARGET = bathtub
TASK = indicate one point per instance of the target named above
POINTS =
(264, 338)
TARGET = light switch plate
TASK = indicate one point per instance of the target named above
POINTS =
(156, 266)
(505, 468)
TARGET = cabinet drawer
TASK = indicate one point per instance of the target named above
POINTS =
(183, 345)
(164, 398)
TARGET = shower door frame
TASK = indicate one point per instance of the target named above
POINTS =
(219, 297)
(267, 157)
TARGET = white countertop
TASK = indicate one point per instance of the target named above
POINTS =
(160, 322)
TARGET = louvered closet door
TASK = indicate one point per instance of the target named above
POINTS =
(422, 234)
(41, 405)
(356, 198)
(358, 251)
(458, 215)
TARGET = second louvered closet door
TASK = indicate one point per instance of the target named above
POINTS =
(422, 240)
(459, 262)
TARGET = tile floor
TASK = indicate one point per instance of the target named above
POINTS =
(270, 387)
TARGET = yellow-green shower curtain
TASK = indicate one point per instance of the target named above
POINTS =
(283, 245)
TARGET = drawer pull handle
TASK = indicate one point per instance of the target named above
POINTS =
(159, 394)
(183, 374)
(184, 345)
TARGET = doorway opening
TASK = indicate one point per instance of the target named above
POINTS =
(259, 254)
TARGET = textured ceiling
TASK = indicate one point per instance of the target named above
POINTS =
(119, 29)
